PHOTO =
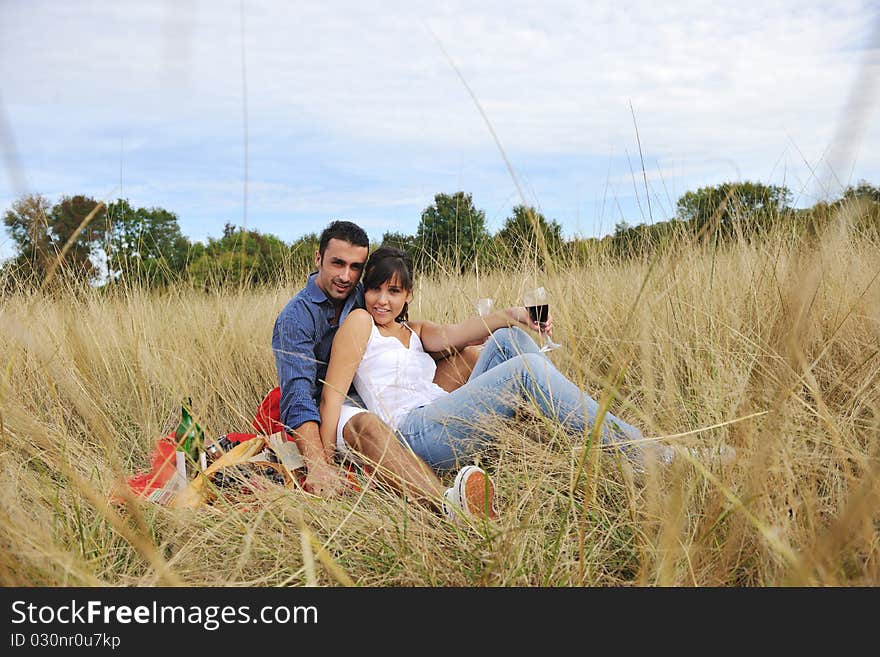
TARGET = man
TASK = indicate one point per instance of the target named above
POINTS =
(301, 342)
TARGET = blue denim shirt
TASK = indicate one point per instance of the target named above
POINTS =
(301, 342)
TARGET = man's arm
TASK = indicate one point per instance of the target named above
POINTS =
(322, 476)
(293, 345)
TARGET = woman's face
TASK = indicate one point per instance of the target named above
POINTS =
(386, 302)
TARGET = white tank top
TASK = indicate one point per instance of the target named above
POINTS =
(393, 380)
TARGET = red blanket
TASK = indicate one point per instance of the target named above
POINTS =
(267, 421)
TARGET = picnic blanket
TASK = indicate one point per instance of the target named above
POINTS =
(240, 462)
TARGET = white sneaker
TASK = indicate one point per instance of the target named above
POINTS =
(472, 493)
(665, 455)
(723, 454)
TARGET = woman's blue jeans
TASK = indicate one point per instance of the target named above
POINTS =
(510, 372)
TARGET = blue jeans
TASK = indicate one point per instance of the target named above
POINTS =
(510, 371)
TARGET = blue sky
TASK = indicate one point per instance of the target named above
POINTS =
(354, 111)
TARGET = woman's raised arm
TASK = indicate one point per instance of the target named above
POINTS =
(439, 337)
(345, 356)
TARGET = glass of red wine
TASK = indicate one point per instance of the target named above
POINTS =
(538, 305)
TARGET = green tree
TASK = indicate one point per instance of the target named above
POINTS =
(621, 226)
(625, 240)
(863, 191)
(528, 230)
(745, 207)
(302, 256)
(144, 245)
(66, 223)
(645, 240)
(247, 257)
(452, 232)
(583, 251)
(41, 234)
(865, 198)
(401, 241)
(28, 224)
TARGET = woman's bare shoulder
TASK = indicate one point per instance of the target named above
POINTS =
(416, 325)
(357, 325)
(358, 317)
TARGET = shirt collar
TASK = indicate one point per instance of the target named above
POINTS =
(313, 292)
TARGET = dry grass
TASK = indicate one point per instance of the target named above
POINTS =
(771, 347)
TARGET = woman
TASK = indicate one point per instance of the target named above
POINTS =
(385, 356)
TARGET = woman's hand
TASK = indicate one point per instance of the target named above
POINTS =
(521, 315)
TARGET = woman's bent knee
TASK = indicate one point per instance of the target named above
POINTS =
(516, 339)
(366, 429)
(530, 365)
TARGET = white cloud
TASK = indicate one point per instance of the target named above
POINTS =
(350, 103)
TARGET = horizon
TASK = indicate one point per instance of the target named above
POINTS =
(335, 112)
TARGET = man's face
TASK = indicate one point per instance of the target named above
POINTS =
(340, 268)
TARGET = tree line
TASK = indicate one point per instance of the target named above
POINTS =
(120, 244)
(745, 211)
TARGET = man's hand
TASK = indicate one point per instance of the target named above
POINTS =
(323, 480)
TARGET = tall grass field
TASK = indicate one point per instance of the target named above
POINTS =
(771, 346)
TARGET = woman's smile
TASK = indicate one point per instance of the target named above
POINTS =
(381, 315)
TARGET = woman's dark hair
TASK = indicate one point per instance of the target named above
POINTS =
(385, 263)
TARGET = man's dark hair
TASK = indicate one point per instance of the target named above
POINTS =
(345, 231)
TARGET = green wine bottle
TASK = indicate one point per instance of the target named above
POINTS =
(189, 435)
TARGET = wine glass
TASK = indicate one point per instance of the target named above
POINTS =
(537, 303)
(484, 306)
